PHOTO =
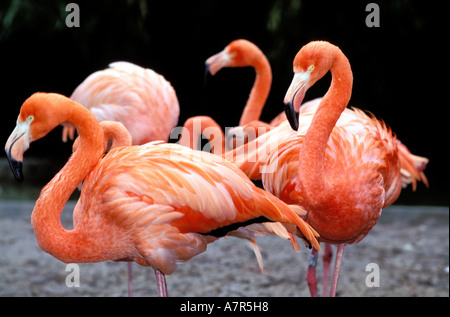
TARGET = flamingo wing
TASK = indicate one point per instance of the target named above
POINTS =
(174, 200)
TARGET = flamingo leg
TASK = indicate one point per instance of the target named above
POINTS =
(311, 273)
(161, 284)
(130, 279)
(327, 255)
(337, 267)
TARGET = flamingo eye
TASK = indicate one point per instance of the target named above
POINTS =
(30, 118)
(311, 68)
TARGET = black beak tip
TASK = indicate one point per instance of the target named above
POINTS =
(16, 167)
(291, 115)
(207, 72)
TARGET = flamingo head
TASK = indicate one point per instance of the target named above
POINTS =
(35, 120)
(239, 53)
(311, 63)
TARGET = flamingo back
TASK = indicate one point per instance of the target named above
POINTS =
(143, 100)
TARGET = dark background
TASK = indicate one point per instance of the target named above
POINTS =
(398, 68)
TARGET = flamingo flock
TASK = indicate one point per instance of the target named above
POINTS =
(327, 171)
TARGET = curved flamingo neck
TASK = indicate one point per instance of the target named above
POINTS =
(117, 133)
(260, 91)
(52, 237)
(314, 184)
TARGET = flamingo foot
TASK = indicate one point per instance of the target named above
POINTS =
(311, 273)
(130, 279)
(161, 284)
(327, 255)
(337, 268)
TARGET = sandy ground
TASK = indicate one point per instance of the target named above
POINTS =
(410, 245)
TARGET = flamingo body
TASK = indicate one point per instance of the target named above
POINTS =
(362, 158)
(155, 204)
(143, 100)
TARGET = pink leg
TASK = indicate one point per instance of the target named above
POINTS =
(327, 255)
(161, 284)
(311, 273)
(130, 279)
(337, 267)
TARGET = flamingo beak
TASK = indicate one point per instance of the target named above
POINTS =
(16, 145)
(294, 98)
(291, 115)
(217, 62)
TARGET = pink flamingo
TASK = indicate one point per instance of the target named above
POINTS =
(342, 207)
(155, 204)
(243, 53)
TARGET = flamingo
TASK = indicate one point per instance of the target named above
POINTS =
(243, 53)
(342, 165)
(143, 100)
(342, 207)
(156, 204)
